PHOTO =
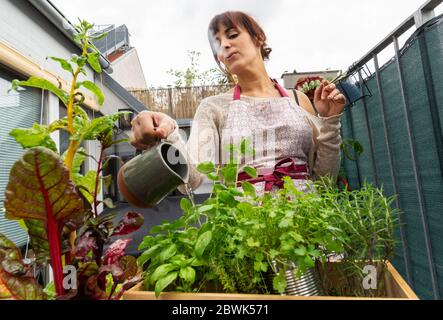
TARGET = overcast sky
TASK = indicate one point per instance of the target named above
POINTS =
(304, 35)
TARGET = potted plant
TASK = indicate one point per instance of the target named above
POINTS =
(237, 244)
(58, 206)
(307, 85)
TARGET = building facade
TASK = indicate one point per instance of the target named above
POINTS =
(291, 78)
(30, 31)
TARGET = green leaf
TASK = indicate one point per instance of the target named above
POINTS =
(315, 253)
(232, 151)
(43, 84)
(279, 282)
(205, 208)
(219, 187)
(355, 145)
(101, 36)
(202, 242)
(248, 188)
(94, 62)
(167, 253)
(146, 255)
(37, 136)
(93, 48)
(296, 236)
(161, 272)
(309, 262)
(78, 60)
(107, 180)
(179, 260)
(235, 192)
(87, 182)
(108, 159)
(245, 206)
(147, 242)
(301, 251)
(213, 177)
(162, 283)
(156, 229)
(273, 253)
(109, 203)
(284, 223)
(64, 64)
(229, 173)
(60, 124)
(333, 246)
(226, 198)
(252, 243)
(196, 263)
(245, 147)
(119, 141)
(185, 205)
(260, 266)
(252, 172)
(79, 112)
(79, 158)
(206, 167)
(188, 274)
(91, 86)
(49, 290)
(100, 127)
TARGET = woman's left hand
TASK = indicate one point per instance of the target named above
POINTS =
(328, 100)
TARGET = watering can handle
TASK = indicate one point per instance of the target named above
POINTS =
(141, 151)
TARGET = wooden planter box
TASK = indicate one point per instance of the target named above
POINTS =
(396, 288)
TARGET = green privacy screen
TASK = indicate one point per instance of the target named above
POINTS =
(421, 61)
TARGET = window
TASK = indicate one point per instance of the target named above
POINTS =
(17, 109)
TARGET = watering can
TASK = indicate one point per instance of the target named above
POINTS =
(148, 178)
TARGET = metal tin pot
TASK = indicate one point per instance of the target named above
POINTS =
(308, 284)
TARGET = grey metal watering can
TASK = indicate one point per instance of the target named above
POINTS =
(149, 177)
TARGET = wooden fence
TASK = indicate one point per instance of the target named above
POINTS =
(179, 103)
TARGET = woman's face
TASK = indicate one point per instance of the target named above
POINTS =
(236, 49)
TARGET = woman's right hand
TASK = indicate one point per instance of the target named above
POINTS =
(149, 127)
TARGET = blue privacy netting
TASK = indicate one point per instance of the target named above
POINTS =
(420, 200)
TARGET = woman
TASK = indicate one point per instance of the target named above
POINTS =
(289, 138)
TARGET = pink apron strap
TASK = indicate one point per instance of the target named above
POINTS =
(237, 92)
(280, 89)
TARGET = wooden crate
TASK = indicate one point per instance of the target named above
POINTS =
(396, 287)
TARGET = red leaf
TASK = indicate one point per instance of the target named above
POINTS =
(114, 269)
(116, 250)
(131, 222)
(14, 277)
(93, 290)
(85, 244)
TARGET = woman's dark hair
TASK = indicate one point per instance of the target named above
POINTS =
(232, 19)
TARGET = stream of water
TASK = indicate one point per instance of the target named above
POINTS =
(190, 193)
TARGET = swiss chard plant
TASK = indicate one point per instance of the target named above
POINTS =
(58, 205)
